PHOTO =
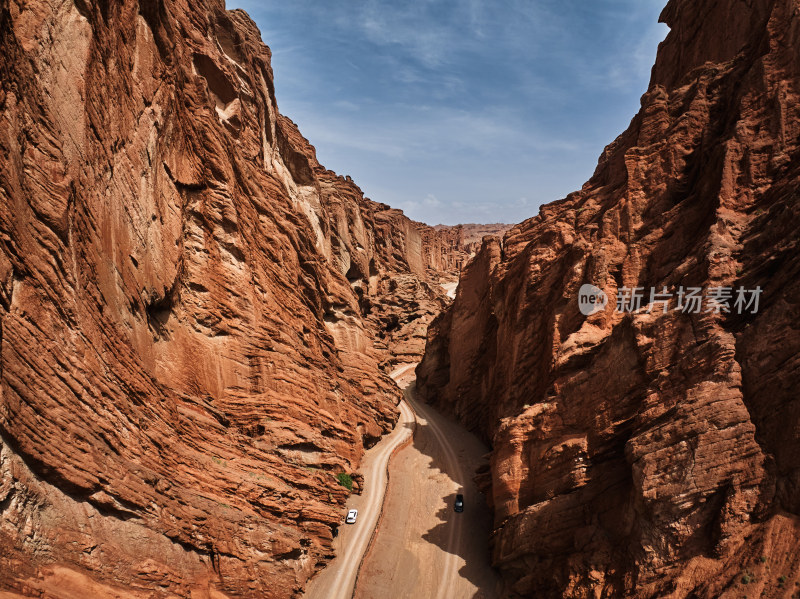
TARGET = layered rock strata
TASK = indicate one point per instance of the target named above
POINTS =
(652, 452)
(189, 305)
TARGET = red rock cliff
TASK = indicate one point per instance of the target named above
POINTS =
(189, 308)
(650, 454)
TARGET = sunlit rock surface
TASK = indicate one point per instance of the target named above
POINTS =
(194, 312)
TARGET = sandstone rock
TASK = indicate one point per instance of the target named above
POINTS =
(649, 454)
(189, 306)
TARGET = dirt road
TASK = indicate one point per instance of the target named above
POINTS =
(424, 549)
(337, 580)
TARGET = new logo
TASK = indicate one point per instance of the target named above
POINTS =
(591, 299)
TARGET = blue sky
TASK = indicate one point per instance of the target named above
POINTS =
(461, 110)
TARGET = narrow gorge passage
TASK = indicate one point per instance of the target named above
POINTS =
(198, 318)
(423, 549)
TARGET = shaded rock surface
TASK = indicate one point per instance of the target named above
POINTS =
(193, 311)
(650, 454)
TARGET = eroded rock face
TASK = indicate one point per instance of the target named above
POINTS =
(189, 308)
(470, 236)
(650, 454)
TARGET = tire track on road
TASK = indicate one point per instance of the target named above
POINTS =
(447, 581)
(376, 477)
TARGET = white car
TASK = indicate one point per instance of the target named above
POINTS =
(351, 516)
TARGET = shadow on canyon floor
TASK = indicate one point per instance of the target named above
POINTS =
(464, 534)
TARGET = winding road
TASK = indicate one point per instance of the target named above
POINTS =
(422, 549)
(338, 579)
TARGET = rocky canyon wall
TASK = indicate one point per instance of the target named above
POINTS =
(650, 453)
(470, 237)
(189, 308)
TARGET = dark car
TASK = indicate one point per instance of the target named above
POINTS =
(458, 506)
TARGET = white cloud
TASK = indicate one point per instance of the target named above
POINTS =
(452, 109)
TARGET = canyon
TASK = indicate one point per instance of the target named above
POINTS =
(650, 453)
(196, 317)
(198, 321)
